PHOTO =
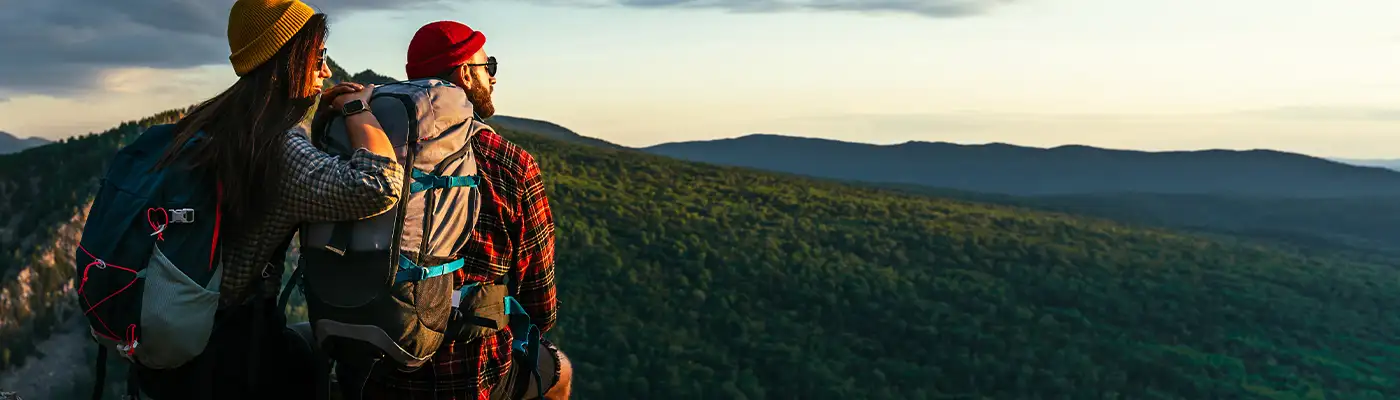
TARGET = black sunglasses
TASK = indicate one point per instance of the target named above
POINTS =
(490, 66)
(321, 59)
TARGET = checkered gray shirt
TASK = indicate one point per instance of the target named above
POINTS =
(318, 187)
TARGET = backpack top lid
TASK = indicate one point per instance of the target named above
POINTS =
(436, 100)
(431, 111)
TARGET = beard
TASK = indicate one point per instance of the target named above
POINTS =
(480, 96)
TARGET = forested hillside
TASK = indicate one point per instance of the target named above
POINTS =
(1363, 228)
(1308, 204)
(684, 280)
(687, 280)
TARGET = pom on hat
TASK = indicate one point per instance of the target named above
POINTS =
(441, 45)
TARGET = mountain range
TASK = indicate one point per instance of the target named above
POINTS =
(1018, 170)
(12, 144)
(548, 129)
(683, 279)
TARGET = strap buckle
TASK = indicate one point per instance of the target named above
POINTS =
(418, 274)
(127, 350)
(182, 216)
(425, 181)
(267, 270)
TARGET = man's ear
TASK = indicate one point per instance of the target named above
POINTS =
(463, 78)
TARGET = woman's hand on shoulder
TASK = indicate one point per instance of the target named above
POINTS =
(327, 102)
(349, 92)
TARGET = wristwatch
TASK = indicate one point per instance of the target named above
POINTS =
(353, 107)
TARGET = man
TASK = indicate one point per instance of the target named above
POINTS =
(515, 234)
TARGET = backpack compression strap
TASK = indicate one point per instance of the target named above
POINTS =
(529, 344)
(340, 234)
(410, 271)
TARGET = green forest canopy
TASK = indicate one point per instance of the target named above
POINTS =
(680, 280)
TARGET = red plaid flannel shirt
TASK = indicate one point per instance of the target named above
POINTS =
(515, 235)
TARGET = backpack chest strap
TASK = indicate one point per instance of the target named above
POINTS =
(412, 272)
(424, 181)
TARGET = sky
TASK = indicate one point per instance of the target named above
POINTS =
(1307, 76)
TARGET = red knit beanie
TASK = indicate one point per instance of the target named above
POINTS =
(440, 45)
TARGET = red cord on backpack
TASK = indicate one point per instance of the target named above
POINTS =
(97, 262)
(158, 228)
(218, 218)
(131, 341)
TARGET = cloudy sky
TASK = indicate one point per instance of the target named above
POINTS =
(1317, 77)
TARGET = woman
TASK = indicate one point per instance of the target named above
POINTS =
(273, 180)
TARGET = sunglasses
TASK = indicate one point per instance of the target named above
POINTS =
(490, 66)
(321, 59)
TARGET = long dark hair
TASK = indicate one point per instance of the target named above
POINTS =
(242, 125)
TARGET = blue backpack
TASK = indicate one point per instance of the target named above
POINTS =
(147, 265)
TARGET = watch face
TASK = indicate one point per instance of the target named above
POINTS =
(354, 106)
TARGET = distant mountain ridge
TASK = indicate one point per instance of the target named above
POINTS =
(1019, 170)
(1382, 163)
(10, 143)
(548, 129)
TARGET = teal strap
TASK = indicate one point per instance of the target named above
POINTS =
(513, 307)
(527, 339)
(410, 272)
(424, 181)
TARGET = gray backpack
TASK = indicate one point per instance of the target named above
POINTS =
(379, 291)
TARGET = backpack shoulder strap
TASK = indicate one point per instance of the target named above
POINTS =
(275, 261)
(525, 335)
(294, 281)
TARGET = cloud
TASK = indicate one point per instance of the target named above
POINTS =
(64, 47)
(927, 8)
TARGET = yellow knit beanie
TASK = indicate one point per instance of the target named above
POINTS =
(257, 29)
